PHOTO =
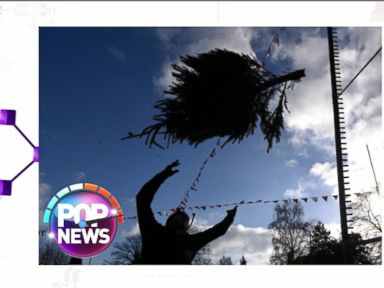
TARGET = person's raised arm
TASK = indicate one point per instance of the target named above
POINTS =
(203, 238)
(146, 194)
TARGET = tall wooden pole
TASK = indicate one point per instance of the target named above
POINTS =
(340, 138)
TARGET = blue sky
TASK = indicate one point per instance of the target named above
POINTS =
(96, 84)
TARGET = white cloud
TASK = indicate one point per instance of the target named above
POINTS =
(291, 163)
(133, 231)
(310, 122)
(193, 41)
(334, 228)
(326, 172)
(255, 243)
(79, 176)
(118, 54)
(45, 191)
(298, 192)
(45, 194)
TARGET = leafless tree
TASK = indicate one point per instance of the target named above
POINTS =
(367, 221)
(49, 253)
(290, 233)
(126, 252)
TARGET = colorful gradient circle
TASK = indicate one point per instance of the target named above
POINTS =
(77, 246)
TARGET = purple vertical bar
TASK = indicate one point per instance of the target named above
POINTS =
(7, 117)
(5, 188)
(36, 154)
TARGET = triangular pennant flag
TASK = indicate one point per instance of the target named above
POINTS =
(335, 196)
(304, 199)
(258, 201)
(225, 205)
(269, 51)
(218, 205)
(212, 206)
(295, 200)
(275, 201)
(267, 201)
(193, 188)
(160, 213)
(325, 198)
(276, 39)
(357, 194)
(202, 207)
(213, 153)
(285, 201)
(263, 64)
(314, 198)
(197, 207)
(249, 202)
(190, 208)
(241, 202)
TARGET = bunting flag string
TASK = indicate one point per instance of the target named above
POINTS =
(275, 41)
(259, 201)
(184, 201)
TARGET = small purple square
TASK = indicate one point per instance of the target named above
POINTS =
(5, 187)
(7, 117)
(35, 154)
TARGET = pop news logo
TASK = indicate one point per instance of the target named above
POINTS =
(83, 219)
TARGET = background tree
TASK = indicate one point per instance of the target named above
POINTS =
(126, 252)
(359, 253)
(320, 240)
(49, 252)
(324, 249)
(225, 260)
(204, 255)
(368, 222)
(290, 233)
(243, 261)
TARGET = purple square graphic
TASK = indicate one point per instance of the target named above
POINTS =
(35, 154)
(7, 117)
(5, 187)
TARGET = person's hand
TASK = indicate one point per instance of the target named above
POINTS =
(232, 212)
(169, 170)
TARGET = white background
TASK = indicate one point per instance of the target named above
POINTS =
(19, 24)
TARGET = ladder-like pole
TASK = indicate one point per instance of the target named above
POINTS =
(340, 138)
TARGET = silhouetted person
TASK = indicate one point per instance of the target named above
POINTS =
(171, 244)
